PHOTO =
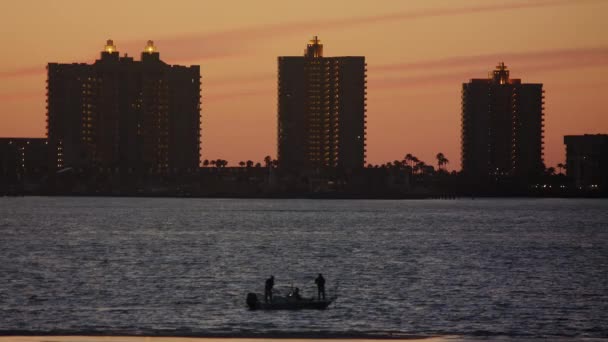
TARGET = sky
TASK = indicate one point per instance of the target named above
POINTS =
(418, 54)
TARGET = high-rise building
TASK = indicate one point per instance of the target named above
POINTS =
(587, 160)
(502, 128)
(321, 111)
(122, 115)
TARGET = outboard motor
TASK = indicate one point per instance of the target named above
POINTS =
(252, 300)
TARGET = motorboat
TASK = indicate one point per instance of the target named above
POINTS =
(288, 302)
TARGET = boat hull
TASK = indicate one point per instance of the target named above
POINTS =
(282, 303)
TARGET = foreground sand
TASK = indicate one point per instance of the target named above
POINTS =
(197, 339)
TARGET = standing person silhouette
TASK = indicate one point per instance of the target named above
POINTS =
(320, 281)
(268, 289)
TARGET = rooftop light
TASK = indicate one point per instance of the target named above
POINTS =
(110, 47)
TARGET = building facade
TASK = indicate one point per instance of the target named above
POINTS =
(321, 111)
(587, 161)
(502, 128)
(124, 116)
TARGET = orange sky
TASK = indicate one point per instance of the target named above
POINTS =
(418, 55)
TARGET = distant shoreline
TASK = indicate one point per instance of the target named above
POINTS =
(275, 337)
(324, 196)
(74, 336)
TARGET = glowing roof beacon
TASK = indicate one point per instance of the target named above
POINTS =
(501, 74)
(150, 48)
(314, 48)
(110, 47)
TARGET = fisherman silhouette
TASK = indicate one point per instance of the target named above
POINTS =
(268, 289)
(320, 281)
(296, 294)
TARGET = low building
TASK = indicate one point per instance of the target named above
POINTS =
(22, 160)
(587, 160)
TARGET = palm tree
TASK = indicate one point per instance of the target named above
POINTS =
(416, 168)
(242, 163)
(268, 161)
(408, 158)
(415, 164)
(249, 164)
(440, 157)
(206, 162)
(258, 164)
(213, 162)
(421, 167)
(441, 161)
(550, 171)
(561, 167)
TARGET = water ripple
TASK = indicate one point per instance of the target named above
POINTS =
(516, 267)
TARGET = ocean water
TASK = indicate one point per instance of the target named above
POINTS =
(515, 268)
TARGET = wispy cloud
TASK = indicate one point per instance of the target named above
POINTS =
(451, 70)
(242, 41)
(239, 41)
(441, 12)
(454, 70)
(23, 72)
(242, 80)
(528, 63)
(21, 96)
(579, 56)
(235, 95)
